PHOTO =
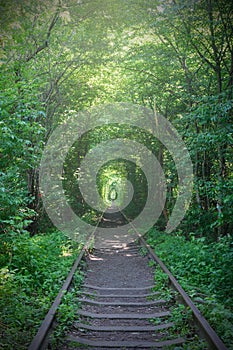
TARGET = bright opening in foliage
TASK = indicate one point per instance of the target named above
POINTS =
(112, 183)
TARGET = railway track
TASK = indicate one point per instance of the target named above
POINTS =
(122, 305)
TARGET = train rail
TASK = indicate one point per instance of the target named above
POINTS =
(121, 308)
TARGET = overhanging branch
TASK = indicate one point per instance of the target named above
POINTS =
(46, 42)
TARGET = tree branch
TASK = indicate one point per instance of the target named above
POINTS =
(46, 42)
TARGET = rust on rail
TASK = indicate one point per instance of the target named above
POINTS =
(46, 324)
(213, 340)
(209, 334)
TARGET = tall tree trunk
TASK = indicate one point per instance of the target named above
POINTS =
(33, 193)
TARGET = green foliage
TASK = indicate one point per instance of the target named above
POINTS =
(58, 58)
(184, 326)
(175, 58)
(30, 282)
(181, 316)
(201, 263)
(21, 141)
(211, 149)
(205, 273)
(161, 279)
(67, 312)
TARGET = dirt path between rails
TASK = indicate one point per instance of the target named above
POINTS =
(117, 298)
(120, 268)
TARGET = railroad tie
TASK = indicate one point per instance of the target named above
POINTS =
(118, 311)
(119, 307)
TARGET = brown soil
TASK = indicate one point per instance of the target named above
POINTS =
(116, 269)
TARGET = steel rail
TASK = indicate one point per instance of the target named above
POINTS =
(213, 340)
(40, 337)
(207, 332)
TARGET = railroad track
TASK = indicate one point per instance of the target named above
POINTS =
(121, 306)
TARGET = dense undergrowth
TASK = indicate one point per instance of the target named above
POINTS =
(203, 271)
(30, 281)
(33, 273)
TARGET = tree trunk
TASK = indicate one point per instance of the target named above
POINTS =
(33, 193)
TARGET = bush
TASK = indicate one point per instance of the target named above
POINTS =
(204, 271)
(28, 285)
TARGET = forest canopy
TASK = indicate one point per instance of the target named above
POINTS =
(175, 58)
(62, 58)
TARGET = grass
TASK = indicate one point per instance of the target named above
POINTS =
(204, 271)
(30, 282)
